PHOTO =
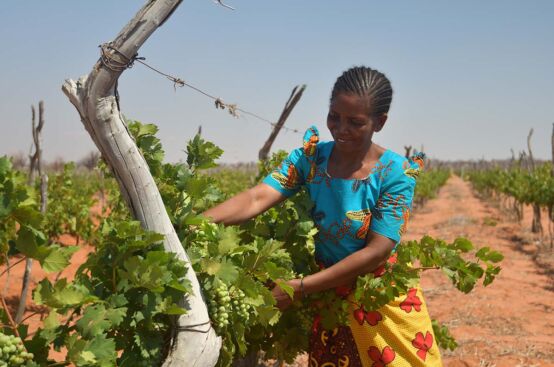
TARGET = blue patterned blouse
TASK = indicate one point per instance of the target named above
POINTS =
(345, 209)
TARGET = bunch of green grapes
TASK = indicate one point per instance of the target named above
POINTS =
(218, 304)
(12, 351)
(241, 309)
(306, 317)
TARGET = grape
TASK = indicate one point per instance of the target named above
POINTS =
(241, 309)
(227, 305)
(12, 351)
(306, 317)
(218, 304)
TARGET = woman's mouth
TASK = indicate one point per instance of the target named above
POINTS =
(341, 140)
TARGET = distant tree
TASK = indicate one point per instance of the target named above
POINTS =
(90, 160)
(56, 165)
(19, 161)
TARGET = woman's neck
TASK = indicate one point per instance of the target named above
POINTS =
(355, 163)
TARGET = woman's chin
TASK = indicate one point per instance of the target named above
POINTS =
(345, 146)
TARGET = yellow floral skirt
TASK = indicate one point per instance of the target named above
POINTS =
(399, 334)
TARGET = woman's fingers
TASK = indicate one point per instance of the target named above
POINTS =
(282, 298)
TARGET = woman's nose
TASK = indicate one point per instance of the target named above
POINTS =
(342, 126)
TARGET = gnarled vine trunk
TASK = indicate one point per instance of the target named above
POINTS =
(195, 342)
(536, 226)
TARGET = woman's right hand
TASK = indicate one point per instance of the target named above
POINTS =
(282, 298)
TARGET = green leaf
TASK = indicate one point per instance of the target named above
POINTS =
(443, 337)
(228, 241)
(183, 285)
(61, 294)
(196, 186)
(96, 319)
(26, 242)
(51, 321)
(28, 215)
(57, 258)
(175, 310)
(304, 228)
(193, 220)
(224, 270)
(268, 315)
(463, 244)
(5, 165)
(286, 288)
(202, 154)
(147, 129)
(495, 256)
(275, 272)
(99, 351)
(248, 286)
(87, 357)
(482, 252)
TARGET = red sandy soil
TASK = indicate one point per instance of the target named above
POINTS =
(509, 323)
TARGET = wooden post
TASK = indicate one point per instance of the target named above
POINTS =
(408, 151)
(35, 164)
(551, 208)
(552, 142)
(536, 225)
(33, 150)
(292, 101)
(195, 342)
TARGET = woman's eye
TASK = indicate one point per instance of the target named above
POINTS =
(332, 116)
(357, 122)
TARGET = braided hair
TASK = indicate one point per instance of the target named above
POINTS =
(366, 82)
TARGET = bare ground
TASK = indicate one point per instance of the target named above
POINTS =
(509, 323)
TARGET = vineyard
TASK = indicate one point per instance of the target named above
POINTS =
(128, 305)
(119, 314)
(115, 261)
(117, 304)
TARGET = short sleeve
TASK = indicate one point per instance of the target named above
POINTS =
(392, 210)
(291, 174)
(288, 178)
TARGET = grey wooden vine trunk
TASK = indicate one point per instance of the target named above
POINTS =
(195, 342)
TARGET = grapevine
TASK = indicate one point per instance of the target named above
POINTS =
(524, 187)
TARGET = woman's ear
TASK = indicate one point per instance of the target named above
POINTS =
(380, 121)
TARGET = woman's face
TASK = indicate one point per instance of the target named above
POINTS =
(351, 123)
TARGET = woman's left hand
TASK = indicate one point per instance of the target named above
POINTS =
(282, 298)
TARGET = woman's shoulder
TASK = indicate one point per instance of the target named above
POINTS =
(393, 161)
(312, 146)
(394, 157)
(400, 167)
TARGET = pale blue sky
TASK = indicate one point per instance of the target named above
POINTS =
(470, 77)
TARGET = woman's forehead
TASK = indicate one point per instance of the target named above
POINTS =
(352, 103)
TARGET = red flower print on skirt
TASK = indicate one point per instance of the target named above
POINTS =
(372, 317)
(423, 344)
(411, 301)
(381, 359)
(381, 270)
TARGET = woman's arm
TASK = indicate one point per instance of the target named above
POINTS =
(245, 205)
(344, 272)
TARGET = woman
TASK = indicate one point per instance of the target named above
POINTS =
(362, 195)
